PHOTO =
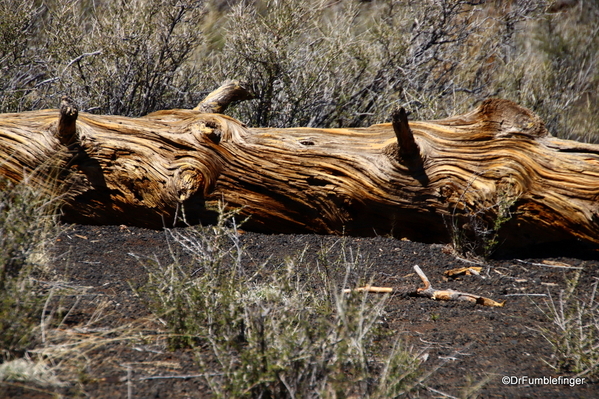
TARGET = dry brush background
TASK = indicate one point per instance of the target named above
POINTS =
(320, 63)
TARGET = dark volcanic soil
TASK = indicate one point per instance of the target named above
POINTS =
(468, 343)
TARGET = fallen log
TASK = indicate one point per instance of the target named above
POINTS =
(494, 170)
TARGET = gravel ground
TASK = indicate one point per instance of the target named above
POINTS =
(470, 347)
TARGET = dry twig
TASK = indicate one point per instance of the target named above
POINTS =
(429, 292)
(451, 295)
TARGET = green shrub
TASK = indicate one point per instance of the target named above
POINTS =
(476, 232)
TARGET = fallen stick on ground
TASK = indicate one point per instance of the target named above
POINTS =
(548, 263)
(451, 295)
(370, 288)
(468, 271)
(429, 292)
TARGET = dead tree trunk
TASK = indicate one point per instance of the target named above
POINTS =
(493, 169)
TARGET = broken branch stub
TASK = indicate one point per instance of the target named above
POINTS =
(219, 100)
(408, 149)
(66, 128)
(406, 179)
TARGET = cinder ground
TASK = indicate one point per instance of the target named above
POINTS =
(471, 347)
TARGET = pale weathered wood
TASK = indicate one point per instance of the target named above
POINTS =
(458, 172)
(219, 100)
(429, 292)
(450, 295)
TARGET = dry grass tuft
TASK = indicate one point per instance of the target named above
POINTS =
(277, 331)
(574, 336)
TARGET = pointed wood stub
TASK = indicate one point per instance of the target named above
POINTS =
(67, 121)
(407, 146)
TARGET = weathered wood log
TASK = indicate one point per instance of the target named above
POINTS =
(494, 168)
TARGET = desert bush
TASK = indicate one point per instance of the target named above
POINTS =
(350, 63)
(574, 335)
(555, 72)
(126, 58)
(279, 331)
(19, 71)
(27, 225)
(476, 232)
(311, 63)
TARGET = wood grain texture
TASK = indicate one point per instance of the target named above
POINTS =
(495, 160)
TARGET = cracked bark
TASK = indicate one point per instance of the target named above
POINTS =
(405, 179)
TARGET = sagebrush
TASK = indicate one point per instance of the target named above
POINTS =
(311, 63)
(28, 224)
(574, 336)
(275, 331)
